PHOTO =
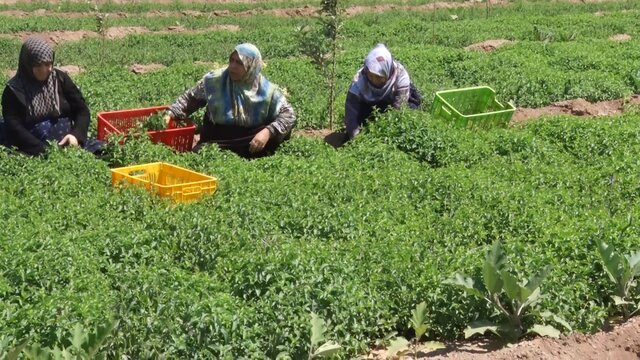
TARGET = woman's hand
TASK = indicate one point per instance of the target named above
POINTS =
(68, 140)
(259, 141)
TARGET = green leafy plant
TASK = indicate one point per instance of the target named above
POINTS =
(511, 299)
(80, 345)
(622, 271)
(321, 45)
(401, 346)
(155, 122)
(328, 348)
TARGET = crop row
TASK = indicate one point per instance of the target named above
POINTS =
(359, 236)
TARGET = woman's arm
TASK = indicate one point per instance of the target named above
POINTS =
(355, 112)
(79, 111)
(14, 114)
(284, 121)
(402, 87)
(189, 102)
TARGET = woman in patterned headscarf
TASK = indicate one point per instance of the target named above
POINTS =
(381, 83)
(245, 113)
(41, 103)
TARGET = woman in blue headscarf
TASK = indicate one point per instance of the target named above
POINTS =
(381, 83)
(245, 113)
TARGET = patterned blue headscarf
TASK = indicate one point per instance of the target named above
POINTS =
(249, 102)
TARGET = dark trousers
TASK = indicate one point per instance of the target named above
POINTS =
(51, 130)
(234, 138)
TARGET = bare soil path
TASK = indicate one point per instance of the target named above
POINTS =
(621, 342)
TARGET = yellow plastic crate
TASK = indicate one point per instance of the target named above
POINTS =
(167, 180)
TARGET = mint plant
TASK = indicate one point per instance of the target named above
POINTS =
(81, 345)
(512, 300)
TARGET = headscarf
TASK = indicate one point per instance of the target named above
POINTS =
(249, 102)
(40, 98)
(380, 62)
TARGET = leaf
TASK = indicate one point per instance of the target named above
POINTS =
(557, 319)
(398, 347)
(617, 300)
(536, 279)
(283, 356)
(15, 352)
(511, 286)
(466, 283)
(317, 329)
(78, 337)
(612, 262)
(530, 299)
(327, 349)
(545, 330)
(633, 260)
(418, 320)
(97, 339)
(491, 277)
(481, 327)
(433, 345)
(495, 255)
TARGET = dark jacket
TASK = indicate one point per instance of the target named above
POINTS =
(72, 106)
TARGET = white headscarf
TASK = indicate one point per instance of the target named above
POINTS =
(380, 62)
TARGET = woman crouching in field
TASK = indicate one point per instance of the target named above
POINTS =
(245, 113)
(41, 103)
(381, 83)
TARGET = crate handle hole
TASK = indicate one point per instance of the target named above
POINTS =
(137, 172)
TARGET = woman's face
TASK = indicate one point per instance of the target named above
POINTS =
(375, 79)
(42, 71)
(236, 67)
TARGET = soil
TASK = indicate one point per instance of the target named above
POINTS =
(577, 107)
(333, 138)
(288, 12)
(145, 68)
(621, 342)
(54, 37)
(620, 37)
(71, 69)
(489, 45)
(119, 32)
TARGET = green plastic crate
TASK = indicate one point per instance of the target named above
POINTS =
(475, 107)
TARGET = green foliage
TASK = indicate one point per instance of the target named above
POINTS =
(79, 345)
(328, 348)
(321, 45)
(315, 229)
(622, 271)
(401, 346)
(510, 298)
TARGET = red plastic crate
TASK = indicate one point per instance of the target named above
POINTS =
(119, 122)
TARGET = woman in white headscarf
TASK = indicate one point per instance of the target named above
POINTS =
(245, 113)
(381, 83)
(41, 103)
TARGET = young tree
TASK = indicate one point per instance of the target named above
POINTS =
(321, 44)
